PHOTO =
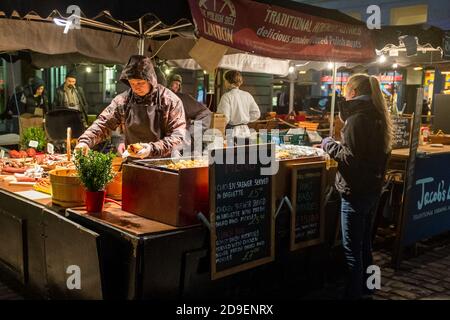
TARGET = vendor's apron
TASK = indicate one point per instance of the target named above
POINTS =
(240, 136)
(143, 119)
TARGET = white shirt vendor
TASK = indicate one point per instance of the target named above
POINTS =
(239, 107)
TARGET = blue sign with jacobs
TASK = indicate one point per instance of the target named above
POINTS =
(428, 212)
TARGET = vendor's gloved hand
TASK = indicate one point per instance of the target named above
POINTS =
(326, 141)
(83, 147)
(145, 151)
(121, 148)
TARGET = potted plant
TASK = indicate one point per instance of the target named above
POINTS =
(34, 134)
(95, 172)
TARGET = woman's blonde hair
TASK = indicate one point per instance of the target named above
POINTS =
(364, 84)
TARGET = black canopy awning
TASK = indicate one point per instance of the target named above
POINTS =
(168, 11)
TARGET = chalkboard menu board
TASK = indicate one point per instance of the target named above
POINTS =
(401, 131)
(307, 218)
(409, 181)
(242, 211)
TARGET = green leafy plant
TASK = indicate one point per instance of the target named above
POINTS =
(36, 134)
(94, 169)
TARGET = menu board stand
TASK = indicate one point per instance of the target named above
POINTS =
(408, 181)
(402, 128)
(307, 215)
(242, 210)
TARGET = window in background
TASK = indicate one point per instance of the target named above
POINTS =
(57, 78)
(110, 83)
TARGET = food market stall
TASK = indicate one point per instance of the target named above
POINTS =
(136, 250)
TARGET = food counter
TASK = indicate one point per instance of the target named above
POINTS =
(126, 256)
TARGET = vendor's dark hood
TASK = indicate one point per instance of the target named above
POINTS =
(139, 67)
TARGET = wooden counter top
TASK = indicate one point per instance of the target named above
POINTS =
(404, 153)
(112, 214)
(17, 188)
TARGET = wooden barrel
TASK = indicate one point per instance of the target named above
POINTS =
(67, 189)
(114, 188)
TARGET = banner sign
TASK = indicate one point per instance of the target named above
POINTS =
(278, 32)
(429, 206)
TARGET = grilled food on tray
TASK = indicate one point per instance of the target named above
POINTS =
(288, 151)
(134, 148)
(183, 164)
(43, 185)
(13, 166)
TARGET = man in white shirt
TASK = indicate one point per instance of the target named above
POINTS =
(239, 107)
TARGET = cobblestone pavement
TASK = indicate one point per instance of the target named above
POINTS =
(424, 277)
(424, 274)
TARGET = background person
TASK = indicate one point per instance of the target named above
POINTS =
(194, 110)
(71, 96)
(238, 106)
(29, 99)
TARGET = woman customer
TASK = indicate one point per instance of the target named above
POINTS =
(362, 157)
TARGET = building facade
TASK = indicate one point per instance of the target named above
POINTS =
(394, 12)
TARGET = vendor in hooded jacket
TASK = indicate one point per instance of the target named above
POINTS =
(148, 113)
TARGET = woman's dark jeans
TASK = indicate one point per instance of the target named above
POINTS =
(357, 215)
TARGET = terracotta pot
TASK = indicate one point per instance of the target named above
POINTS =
(95, 201)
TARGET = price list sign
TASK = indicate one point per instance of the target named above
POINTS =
(242, 226)
(401, 131)
(307, 218)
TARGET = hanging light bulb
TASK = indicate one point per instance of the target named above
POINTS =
(330, 65)
(291, 69)
(382, 59)
(88, 69)
(395, 65)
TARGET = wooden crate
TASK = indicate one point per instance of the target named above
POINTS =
(219, 122)
(440, 138)
(312, 126)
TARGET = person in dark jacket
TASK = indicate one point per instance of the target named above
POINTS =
(198, 117)
(71, 96)
(148, 113)
(29, 99)
(362, 157)
(194, 110)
